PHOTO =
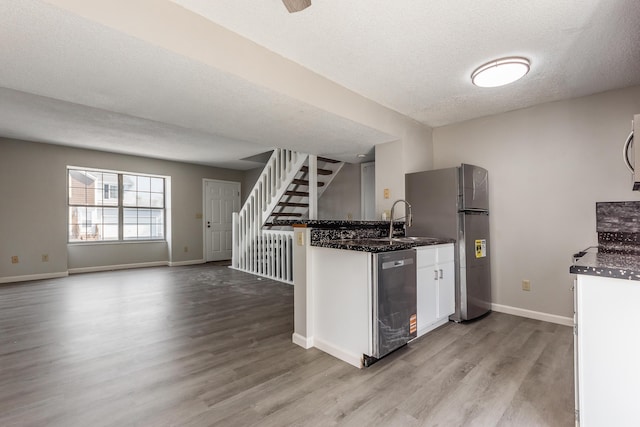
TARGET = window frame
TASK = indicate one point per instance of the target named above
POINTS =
(120, 206)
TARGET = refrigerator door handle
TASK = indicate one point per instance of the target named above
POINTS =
(435, 275)
(625, 151)
(441, 273)
(474, 210)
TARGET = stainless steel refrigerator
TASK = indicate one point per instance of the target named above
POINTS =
(454, 203)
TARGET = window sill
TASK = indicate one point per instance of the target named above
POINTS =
(114, 242)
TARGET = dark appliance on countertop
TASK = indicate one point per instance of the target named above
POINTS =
(454, 203)
(394, 302)
(635, 125)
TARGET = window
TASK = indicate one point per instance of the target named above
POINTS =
(111, 206)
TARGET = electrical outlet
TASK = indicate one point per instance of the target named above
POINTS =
(45, 258)
(300, 238)
(186, 248)
(15, 259)
(526, 285)
(198, 215)
(387, 193)
(349, 216)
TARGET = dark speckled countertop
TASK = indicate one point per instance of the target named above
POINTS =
(362, 236)
(618, 252)
(334, 223)
(376, 245)
(617, 265)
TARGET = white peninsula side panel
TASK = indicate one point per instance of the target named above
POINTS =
(341, 308)
(608, 351)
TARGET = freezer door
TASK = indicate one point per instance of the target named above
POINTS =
(434, 198)
(475, 266)
(394, 301)
(475, 188)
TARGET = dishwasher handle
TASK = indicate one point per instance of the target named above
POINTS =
(397, 263)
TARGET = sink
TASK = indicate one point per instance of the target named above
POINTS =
(367, 242)
(412, 239)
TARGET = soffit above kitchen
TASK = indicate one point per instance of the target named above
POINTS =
(417, 57)
(213, 82)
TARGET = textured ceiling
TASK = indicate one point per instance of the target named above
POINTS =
(416, 56)
(67, 79)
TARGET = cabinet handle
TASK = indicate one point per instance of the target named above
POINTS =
(441, 273)
(435, 276)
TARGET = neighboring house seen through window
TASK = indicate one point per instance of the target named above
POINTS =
(111, 206)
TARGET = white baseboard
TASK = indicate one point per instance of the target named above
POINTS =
(302, 341)
(96, 269)
(530, 314)
(261, 275)
(345, 356)
(183, 263)
(117, 267)
(28, 277)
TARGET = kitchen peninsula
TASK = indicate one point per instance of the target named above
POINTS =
(607, 297)
(334, 272)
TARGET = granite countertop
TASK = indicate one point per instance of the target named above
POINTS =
(333, 223)
(606, 263)
(378, 245)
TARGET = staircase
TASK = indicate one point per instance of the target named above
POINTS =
(288, 189)
(295, 203)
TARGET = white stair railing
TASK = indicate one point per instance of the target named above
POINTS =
(266, 253)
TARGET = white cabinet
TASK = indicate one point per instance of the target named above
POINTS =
(608, 350)
(435, 286)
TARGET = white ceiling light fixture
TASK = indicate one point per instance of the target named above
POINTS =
(500, 72)
(296, 5)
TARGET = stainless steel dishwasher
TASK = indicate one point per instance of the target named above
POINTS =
(394, 301)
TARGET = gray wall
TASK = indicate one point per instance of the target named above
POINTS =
(249, 179)
(548, 166)
(34, 212)
(342, 197)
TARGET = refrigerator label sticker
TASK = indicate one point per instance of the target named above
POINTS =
(481, 248)
(413, 324)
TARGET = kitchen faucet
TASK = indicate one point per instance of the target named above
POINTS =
(408, 217)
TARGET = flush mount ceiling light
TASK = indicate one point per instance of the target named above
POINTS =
(500, 72)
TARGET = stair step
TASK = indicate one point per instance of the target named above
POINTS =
(305, 182)
(297, 193)
(294, 205)
(324, 159)
(320, 171)
(286, 214)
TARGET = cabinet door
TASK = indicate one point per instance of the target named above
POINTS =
(427, 297)
(446, 289)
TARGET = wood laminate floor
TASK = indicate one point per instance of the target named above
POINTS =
(207, 345)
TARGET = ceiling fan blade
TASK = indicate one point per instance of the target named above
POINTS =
(296, 5)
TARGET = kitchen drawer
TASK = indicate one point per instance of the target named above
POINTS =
(445, 253)
(426, 255)
(431, 255)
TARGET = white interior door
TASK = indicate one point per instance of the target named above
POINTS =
(221, 200)
(368, 191)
